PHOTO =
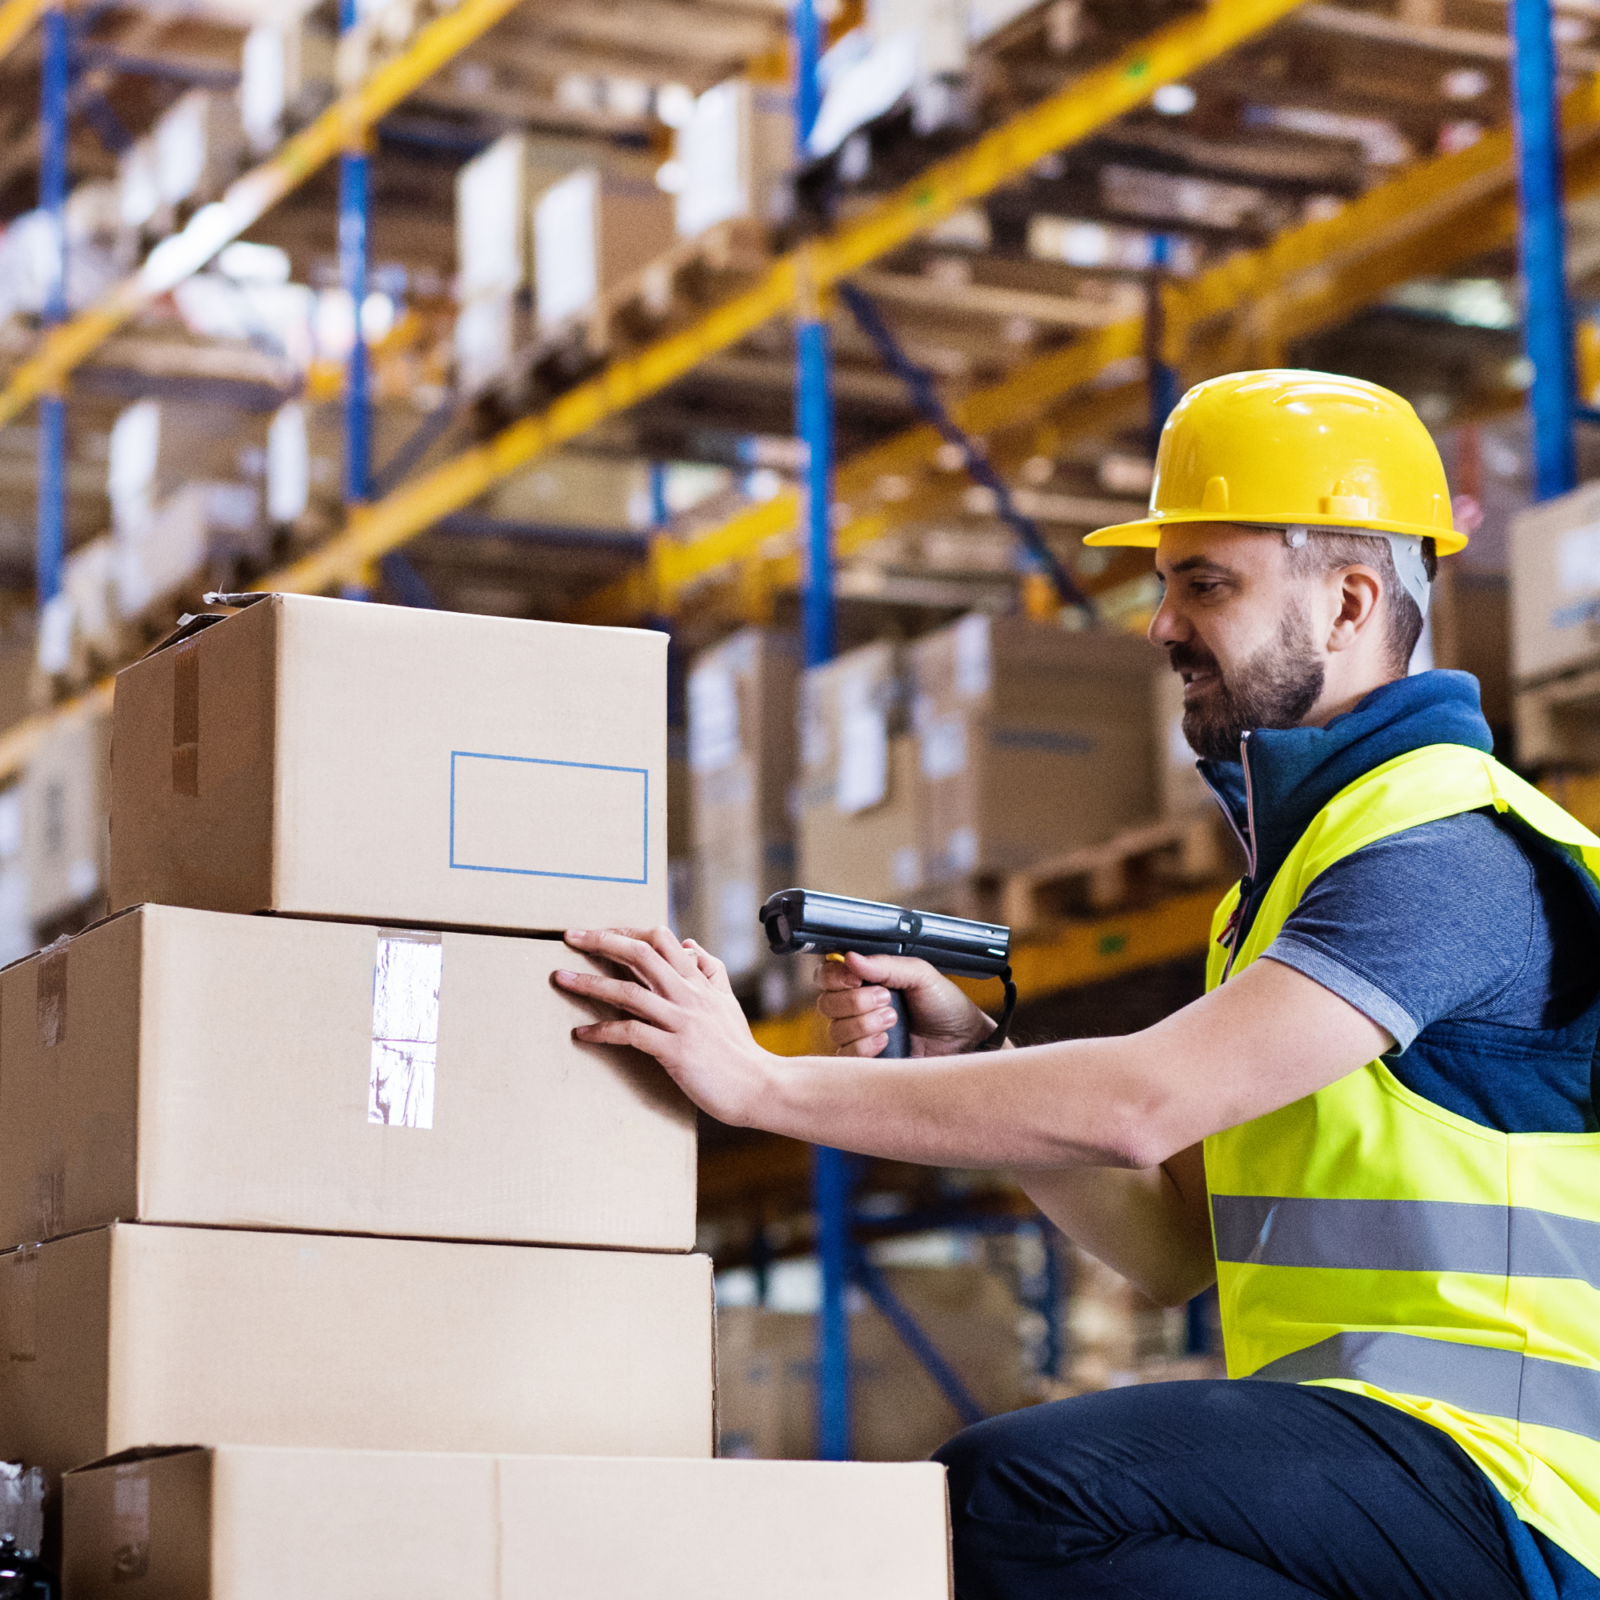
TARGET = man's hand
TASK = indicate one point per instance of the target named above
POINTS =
(855, 1000)
(681, 1010)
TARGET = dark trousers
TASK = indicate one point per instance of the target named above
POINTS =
(1222, 1491)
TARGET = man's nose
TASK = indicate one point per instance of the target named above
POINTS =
(1166, 626)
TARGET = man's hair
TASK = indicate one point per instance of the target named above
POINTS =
(1328, 549)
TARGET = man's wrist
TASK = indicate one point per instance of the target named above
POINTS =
(983, 1026)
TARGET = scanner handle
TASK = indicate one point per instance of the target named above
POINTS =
(899, 1045)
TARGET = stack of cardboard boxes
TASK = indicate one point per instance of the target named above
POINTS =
(980, 750)
(302, 1189)
(1555, 647)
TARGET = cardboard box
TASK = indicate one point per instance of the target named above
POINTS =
(873, 854)
(742, 737)
(1032, 740)
(742, 754)
(328, 758)
(134, 1335)
(592, 230)
(766, 1368)
(856, 824)
(234, 1523)
(64, 809)
(186, 1066)
(1555, 585)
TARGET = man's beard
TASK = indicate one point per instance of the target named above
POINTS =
(1275, 688)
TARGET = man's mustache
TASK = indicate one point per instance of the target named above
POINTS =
(1190, 658)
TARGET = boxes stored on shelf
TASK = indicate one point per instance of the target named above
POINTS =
(1032, 740)
(328, 758)
(136, 1335)
(742, 750)
(742, 721)
(591, 230)
(491, 226)
(736, 152)
(1555, 585)
(238, 1523)
(856, 822)
(185, 1066)
(64, 804)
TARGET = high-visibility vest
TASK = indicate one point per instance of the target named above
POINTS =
(1372, 1241)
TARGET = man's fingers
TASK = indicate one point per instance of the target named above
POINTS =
(833, 975)
(625, 996)
(873, 1045)
(852, 1030)
(714, 969)
(637, 954)
(851, 1002)
(624, 1031)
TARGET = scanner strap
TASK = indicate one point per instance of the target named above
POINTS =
(998, 1037)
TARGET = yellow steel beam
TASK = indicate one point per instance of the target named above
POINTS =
(1062, 119)
(247, 199)
(16, 17)
(1437, 212)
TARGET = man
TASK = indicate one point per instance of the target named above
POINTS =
(1376, 1131)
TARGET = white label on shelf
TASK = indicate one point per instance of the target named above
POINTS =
(973, 655)
(944, 747)
(1578, 560)
(738, 925)
(961, 850)
(863, 779)
(905, 868)
(713, 717)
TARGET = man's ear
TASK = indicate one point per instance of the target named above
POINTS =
(1359, 596)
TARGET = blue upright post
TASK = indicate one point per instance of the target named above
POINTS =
(1162, 380)
(1542, 247)
(660, 515)
(353, 207)
(831, 1169)
(814, 411)
(52, 502)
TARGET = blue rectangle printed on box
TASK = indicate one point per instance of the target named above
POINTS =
(549, 819)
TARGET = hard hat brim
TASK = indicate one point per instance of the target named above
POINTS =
(1146, 533)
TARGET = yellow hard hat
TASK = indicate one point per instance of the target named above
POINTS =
(1285, 447)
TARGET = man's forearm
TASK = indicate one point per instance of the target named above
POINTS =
(1050, 1105)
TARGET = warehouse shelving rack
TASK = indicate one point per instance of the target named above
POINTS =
(1431, 215)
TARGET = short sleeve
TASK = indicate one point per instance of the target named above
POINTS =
(1435, 922)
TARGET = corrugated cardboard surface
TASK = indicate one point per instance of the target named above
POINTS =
(132, 1336)
(1555, 585)
(329, 758)
(1032, 740)
(186, 1066)
(252, 1524)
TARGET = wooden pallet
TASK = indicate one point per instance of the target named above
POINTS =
(1119, 873)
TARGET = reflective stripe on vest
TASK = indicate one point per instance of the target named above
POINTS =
(1405, 1236)
(1369, 1238)
(1475, 1377)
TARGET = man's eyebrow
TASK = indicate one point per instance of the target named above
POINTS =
(1202, 564)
